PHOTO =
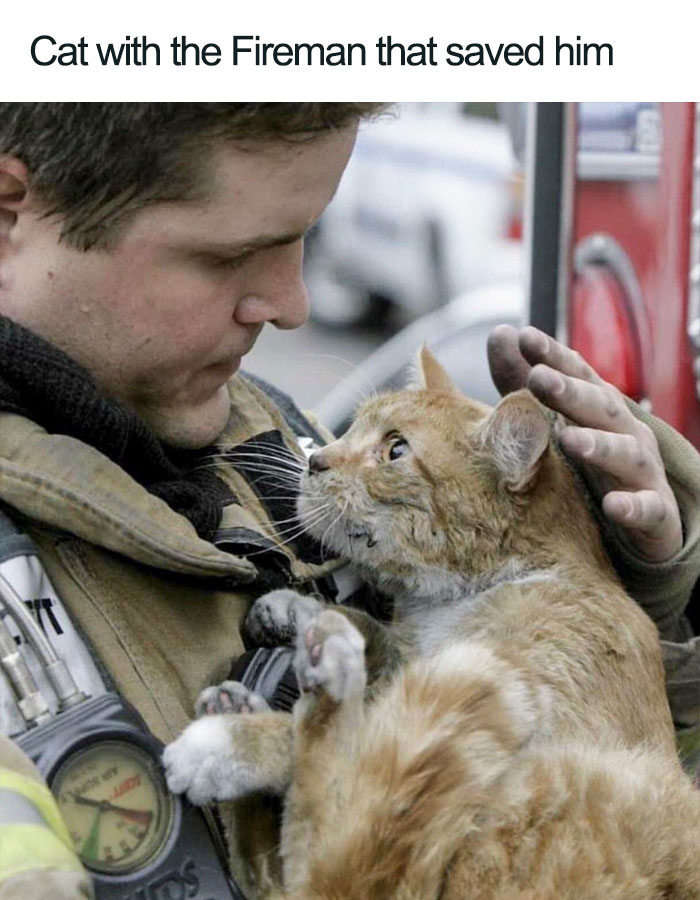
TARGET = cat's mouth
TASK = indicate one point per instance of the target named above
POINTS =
(359, 534)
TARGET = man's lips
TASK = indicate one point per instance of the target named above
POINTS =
(223, 370)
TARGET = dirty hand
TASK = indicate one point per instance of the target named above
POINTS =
(605, 434)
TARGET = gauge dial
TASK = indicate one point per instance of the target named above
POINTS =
(116, 805)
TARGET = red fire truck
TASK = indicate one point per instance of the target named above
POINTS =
(615, 268)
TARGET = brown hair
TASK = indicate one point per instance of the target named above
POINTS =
(94, 164)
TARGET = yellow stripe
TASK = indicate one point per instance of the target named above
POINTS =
(25, 848)
(42, 798)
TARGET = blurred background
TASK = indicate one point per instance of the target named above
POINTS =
(429, 207)
(583, 219)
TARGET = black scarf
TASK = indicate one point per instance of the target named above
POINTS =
(40, 382)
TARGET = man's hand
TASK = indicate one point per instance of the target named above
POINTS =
(605, 434)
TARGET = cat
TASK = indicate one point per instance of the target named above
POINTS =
(513, 739)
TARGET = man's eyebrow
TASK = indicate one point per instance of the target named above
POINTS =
(234, 248)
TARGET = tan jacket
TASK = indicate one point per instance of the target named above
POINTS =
(663, 589)
(160, 607)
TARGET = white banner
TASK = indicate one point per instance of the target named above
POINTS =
(316, 50)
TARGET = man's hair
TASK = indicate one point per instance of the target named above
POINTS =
(95, 164)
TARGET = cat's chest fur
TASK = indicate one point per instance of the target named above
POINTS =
(426, 626)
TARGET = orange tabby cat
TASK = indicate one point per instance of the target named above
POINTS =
(516, 743)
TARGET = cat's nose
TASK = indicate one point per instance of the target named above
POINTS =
(317, 463)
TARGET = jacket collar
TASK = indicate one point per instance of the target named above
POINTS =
(70, 486)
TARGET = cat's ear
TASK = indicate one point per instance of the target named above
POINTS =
(517, 433)
(431, 376)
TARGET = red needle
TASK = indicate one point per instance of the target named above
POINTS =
(141, 816)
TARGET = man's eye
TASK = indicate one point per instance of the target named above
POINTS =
(397, 448)
(227, 263)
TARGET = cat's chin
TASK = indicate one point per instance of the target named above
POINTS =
(363, 535)
(344, 538)
(357, 545)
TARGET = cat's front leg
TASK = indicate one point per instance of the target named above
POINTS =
(278, 616)
(328, 721)
(229, 697)
(330, 667)
(240, 749)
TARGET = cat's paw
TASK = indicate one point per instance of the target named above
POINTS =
(205, 764)
(277, 617)
(330, 657)
(229, 697)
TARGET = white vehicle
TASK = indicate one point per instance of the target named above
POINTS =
(429, 208)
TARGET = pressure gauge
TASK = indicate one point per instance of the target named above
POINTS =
(136, 838)
(115, 804)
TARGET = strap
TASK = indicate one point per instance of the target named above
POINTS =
(41, 799)
(270, 673)
(32, 833)
(26, 848)
(7, 526)
(13, 542)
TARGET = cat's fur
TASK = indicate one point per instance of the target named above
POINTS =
(516, 743)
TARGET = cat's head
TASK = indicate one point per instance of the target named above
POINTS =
(428, 480)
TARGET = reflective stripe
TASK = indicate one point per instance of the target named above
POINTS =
(26, 848)
(16, 809)
(41, 797)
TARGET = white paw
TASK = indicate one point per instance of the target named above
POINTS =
(229, 697)
(277, 617)
(331, 657)
(203, 762)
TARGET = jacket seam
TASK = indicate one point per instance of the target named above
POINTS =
(136, 536)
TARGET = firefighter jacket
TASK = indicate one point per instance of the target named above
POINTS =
(159, 607)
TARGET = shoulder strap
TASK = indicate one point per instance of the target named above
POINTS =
(13, 542)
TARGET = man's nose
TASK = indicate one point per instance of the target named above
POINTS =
(278, 293)
(318, 462)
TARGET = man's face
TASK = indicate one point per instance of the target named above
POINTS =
(163, 318)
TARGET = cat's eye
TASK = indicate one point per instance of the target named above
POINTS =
(397, 448)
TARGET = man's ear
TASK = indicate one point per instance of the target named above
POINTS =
(14, 189)
(430, 374)
(517, 433)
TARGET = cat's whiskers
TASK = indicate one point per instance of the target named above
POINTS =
(296, 517)
(356, 376)
(273, 479)
(258, 453)
(294, 533)
(341, 513)
(282, 474)
(256, 459)
(312, 516)
(268, 449)
(253, 448)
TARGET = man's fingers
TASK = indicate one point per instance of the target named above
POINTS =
(604, 434)
(623, 457)
(588, 404)
(512, 352)
(509, 370)
(659, 531)
(537, 347)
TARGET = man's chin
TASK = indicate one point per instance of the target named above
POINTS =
(190, 427)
